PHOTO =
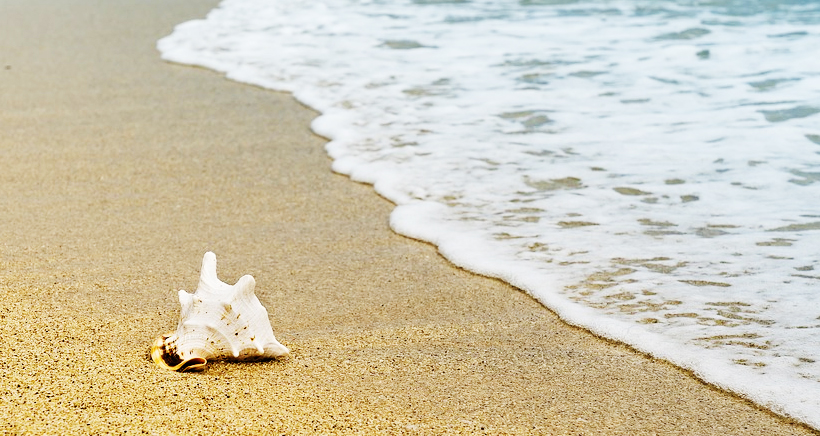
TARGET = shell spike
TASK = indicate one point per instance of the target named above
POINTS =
(186, 301)
(208, 280)
(245, 286)
(274, 348)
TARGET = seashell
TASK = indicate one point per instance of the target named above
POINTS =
(220, 322)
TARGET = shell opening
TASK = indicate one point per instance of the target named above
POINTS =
(167, 358)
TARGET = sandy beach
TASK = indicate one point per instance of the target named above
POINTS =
(119, 171)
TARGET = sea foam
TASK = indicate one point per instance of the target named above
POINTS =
(650, 170)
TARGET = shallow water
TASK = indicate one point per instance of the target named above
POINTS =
(648, 169)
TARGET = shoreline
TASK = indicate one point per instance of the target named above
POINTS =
(123, 170)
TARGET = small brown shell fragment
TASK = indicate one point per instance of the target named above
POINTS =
(217, 322)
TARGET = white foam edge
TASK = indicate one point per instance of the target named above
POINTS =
(416, 220)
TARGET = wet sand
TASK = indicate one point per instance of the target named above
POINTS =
(119, 171)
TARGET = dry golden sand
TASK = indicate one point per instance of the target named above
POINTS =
(119, 171)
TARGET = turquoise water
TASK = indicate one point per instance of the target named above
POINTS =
(647, 169)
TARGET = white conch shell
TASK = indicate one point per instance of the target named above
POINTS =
(218, 321)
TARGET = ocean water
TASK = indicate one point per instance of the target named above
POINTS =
(650, 170)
